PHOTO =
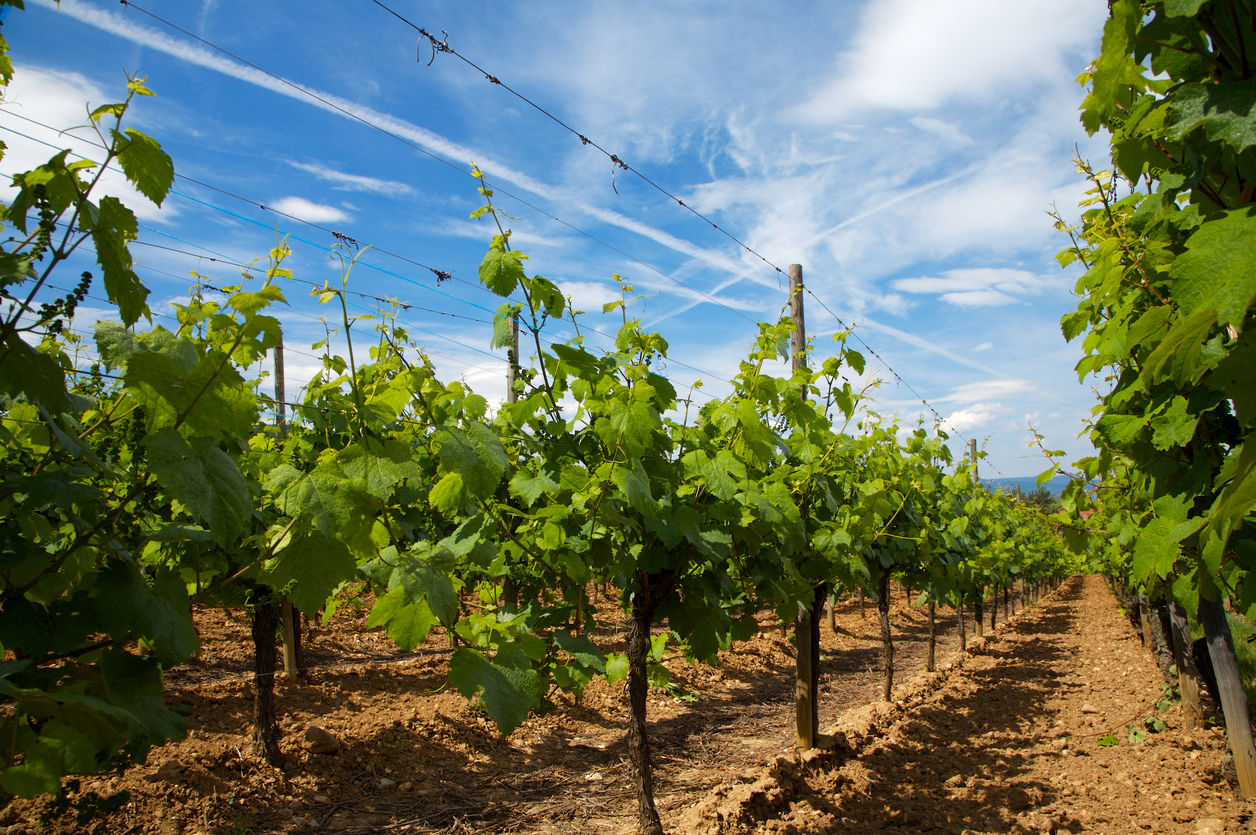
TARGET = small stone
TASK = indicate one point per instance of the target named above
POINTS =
(322, 798)
(1209, 826)
(387, 783)
(1060, 744)
(406, 786)
(171, 771)
(1089, 708)
(319, 741)
(593, 776)
(1017, 799)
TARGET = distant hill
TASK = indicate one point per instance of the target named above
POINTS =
(1027, 483)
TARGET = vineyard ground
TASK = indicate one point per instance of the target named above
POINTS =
(1002, 740)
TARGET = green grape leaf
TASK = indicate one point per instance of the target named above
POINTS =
(145, 164)
(1159, 543)
(321, 496)
(134, 684)
(1121, 430)
(635, 484)
(1174, 427)
(503, 332)
(40, 772)
(1236, 376)
(582, 649)
(501, 271)
(379, 466)
(176, 382)
(114, 343)
(26, 370)
(1046, 475)
(447, 494)
(126, 606)
(1217, 273)
(508, 693)
(318, 564)
(1226, 112)
(406, 623)
(112, 229)
(528, 487)
(421, 581)
(1182, 8)
(1115, 71)
(204, 480)
(1238, 497)
(616, 667)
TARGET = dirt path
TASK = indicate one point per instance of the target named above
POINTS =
(1007, 744)
(1004, 740)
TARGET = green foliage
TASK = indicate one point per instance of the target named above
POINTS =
(1167, 300)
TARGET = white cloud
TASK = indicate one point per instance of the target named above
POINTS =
(919, 54)
(987, 390)
(589, 296)
(976, 287)
(354, 182)
(985, 346)
(946, 130)
(973, 417)
(62, 100)
(306, 210)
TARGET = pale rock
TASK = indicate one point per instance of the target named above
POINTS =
(387, 783)
(1089, 708)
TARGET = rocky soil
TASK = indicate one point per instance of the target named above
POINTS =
(1003, 739)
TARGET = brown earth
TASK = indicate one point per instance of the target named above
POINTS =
(1003, 740)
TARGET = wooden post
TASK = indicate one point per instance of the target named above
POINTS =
(887, 640)
(1238, 725)
(291, 637)
(807, 624)
(510, 589)
(972, 448)
(512, 367)
(963, 631)
(933, 635)
(1144, 621)
(1188, 676)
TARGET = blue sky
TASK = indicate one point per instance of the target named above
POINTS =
(903, 151)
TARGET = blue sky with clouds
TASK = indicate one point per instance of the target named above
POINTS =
(903, 151)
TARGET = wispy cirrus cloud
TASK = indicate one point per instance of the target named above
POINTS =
(308, 210)
(432, 143)
(976, 287)
(353, 182)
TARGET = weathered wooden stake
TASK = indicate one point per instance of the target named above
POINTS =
(510, 589)
(887, 640)
(1225, 664)
(1188, 676)
(933, 635)
(291, 635)
(807, 624)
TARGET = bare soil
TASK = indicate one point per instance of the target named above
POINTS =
(1002, 739)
